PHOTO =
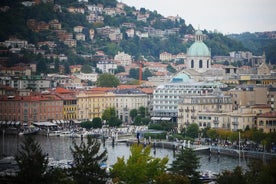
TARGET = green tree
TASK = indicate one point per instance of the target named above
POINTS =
(192, 130)
(97, 122)
(32, 162)
(142, 111)
(171, 69)
(120, 69)
(67, 68)
(111, 118)
(212, 133)
(134, 73)
(186, 164)
(260, 172)
(86, 124)
(107, 80)
(58, 176)
(235, 177)
(87, 160)
(133, 113)
(41, 66)
(140, 168)
(56, 65)
(86, 69)
(138, 120)
(168, 178)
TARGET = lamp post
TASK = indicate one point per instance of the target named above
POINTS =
(3, 142)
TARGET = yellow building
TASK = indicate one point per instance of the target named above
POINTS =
(267, 122)
(69, 103)
(92, 103)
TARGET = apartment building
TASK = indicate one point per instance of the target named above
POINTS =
(128, 99)
(166, 97)
(29, 109)
(93, 102)
(206, 110)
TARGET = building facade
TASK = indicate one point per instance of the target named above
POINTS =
(128, 99)
(206, 110)
(166, 97)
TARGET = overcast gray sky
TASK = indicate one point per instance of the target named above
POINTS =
(225, 16)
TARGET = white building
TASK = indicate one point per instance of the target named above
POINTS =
(16, 43)
(123, 59)
(165, 56)
(166, 97)
(107, 67)
(128, 99)
(87, 76)
(80, 37)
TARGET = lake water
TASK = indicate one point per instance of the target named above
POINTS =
(58, 148)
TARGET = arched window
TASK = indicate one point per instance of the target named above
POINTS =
(192, 64)
(200, 63)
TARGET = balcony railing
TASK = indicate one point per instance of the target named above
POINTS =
(215, 121)
(235, 123)
(193, 117)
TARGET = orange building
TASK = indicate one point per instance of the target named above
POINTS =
(29, 109)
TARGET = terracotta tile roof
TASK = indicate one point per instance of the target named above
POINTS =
(217, 66)
(48, 97)
(127, 86)
(98, 89)
(62, 90)
(268, 115)
(147, 90)
(7, 88)
(261, 106)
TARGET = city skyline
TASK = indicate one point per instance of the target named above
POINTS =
(230, 16)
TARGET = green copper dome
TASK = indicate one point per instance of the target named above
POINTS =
(182, 77)
(198, 48)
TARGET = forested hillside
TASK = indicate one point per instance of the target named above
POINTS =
(258, 43)
(14, 19)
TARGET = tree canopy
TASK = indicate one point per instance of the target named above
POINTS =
(140, 168)
(32, 162)
(186, 164)
(111, 118)
(192, 130)
(87, 160)
(107, 80)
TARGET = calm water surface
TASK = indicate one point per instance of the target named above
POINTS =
(58, 148)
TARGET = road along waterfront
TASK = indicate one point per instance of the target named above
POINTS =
(58, 148)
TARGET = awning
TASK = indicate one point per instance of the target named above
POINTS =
(155, 118)
(46, 123)
(166, 118)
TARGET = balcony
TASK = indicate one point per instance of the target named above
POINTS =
(215, 122)
(180, 110)
(187, 110)
(193, 117)
(235, 123)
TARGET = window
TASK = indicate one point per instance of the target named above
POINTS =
(192, 64)
(200, 64)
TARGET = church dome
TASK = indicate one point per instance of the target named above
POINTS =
(198, 49)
